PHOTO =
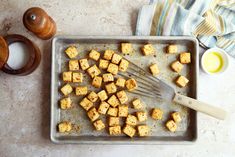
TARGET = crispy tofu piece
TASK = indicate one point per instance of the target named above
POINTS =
(84, 64)
(113, 68)
(154, 69)
(131, 84)
(64, 127)
(126, 48)
(97, 82)
(108, 54)
(103, 64)
(171, 125)
(185, 58)
(181, 81)
(115, 130)
(99, 125)
(93, 71)
(67, 76)
(65, 103)
(137, 104)
(113, 101)
(120, 82)
(131, 120)
(141, 116)
(116, 58)
(81, 90)
(111, 88)
(148, 49)
(129, 130)
(103, 108)
(122, 97)
(123, 65)
(71, 51)
(86, 104)
(112, 111)
(122, 110)
(143, 130)
(95, 55)
(102, 95)
(177, 66)
(77, 77)
(176, 117)
(73, 65)
(113, 121)
(157, 114)
(93, 114)
(92, 96)
(172, 49)
(108, 77)
(66, 89)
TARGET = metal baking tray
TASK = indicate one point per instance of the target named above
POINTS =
(187, 129)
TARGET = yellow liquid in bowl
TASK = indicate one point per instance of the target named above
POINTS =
(213, 62)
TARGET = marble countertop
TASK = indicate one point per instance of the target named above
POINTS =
(24, 101)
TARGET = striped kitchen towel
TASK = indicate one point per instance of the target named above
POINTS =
(211, 21)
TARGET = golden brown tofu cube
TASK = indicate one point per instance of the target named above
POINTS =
(185, 58)
(95, 55)
(103, 108)
(71, 51)
(93, 114)
(148, 49)
(99, 125)
(112, 111)
(126, 48)
(122, 110)
(84, 64)
(182, 81)
(113, 101)
(93, 97)
(154, 69)
(171, 125)
(81, 90)
(73, 65)
(131, 84)
(86, 104)
(176, 117)
(157, 114)
(115, 130)
(122, 97)
(77, 77)
(66, 89)
(64, 127)
(137, 104)
(116, 58)
(123, 65)
(113, 68)
(108, 54)
(113, 121)
(142, 116)
(177, 66)
(143, 130)
(120, 82)
(111, 88)
(131, 120)
(103, 64)
(108, 77)
(97, 82)
(102, 95)
(129, 130)
(67, 76)
(65, 103)
(93, 71)
(172, 49)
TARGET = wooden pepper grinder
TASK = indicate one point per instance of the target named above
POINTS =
(39, 22)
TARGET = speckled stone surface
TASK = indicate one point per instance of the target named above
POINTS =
(24, 101)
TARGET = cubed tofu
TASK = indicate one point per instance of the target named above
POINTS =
(172, 49)
(92, 96)
(71, 51)
(131, 120)
(129, 130)
(182, 81)
(154, 69)
(148, 49)
(131, 84)
(77, 77)
(143, 130)
(108, 77)
(141, 116)
(95, 55)
(126, 48)
(103, 108)
(113, 101)
(108, 54)
(123, 65)
(99, 125)
(113, 121)
(103, 64)
(84, 64)
(93, 71)
(65, 103)
(97, 82)
(137, 104)
(64, 127)
(67, 76)
(171, 125)
(115, 130)
(122, 97)
(157, 114)
(93, 114)
(176, 117)
(122, 111)
(177, 66)
(185, 58)
(73, 65)
(86, 104)
(113, 68)
(116, 58)
(66, 89)
(102, 95)
(111, 88)
(112, 111)
(81, 90)
(120, 82)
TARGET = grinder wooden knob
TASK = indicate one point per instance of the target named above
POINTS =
(39, 22)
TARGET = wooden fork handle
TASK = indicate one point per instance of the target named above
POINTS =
(200, 106)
